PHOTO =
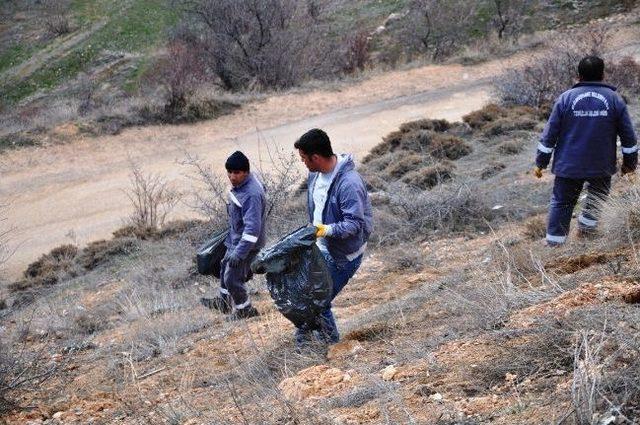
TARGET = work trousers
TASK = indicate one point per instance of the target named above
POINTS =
(565, 196)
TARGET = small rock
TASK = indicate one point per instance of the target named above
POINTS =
(57, 415)
(436, 397)
(389, 372)
(510, 377)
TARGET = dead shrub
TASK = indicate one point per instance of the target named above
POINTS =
(479, 118)
(436, 125)
(620, 218)
(535, 228)
(606, 362)
(404, 257)
(372, 332)
(427, 177)
(510, 147)
(48, 269)
(152, 199)
(357, 52)
(449, 147)
(180, 71)
(131, 231)
(89, 324)
(411, 215)
(625, 75)
(494, 120)
(413, 136)
(508, 125)
(57, 20)
(540, 84)
(492, 170)
(404, 164)
(22, 368)
(374, 182)
(542, 351)
(100, 252)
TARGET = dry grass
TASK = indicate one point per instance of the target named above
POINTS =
(428, 177)
(535, 228)
(511, 147)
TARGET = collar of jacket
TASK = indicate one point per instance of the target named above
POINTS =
(347, 165)
(594, 83)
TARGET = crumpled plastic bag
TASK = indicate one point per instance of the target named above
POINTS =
(297, 277)
(210, 254)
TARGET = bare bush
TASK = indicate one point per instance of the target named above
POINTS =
(264, 44)
(436, 28)
(587, 376)
(620, 218)
(284, 209)
(57, 21)
(540, 84)
(22, 367)
(357, 52)
(411, 215)
(152, 198)
(180, 71)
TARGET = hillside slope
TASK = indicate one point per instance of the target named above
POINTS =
(469, 325)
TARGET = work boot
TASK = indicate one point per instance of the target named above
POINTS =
(217, 303)
(244, 313)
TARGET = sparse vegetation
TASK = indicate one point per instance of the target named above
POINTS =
(539, 84)
(152, 199)
(460, 315)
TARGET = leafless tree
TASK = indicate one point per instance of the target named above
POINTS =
(357, 52)
(262, 43)
(509, 16)
(437, 27)
(152, 198)
(180, 71)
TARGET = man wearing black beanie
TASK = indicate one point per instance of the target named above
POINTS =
(246, 208)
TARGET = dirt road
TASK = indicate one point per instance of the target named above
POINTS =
(75, 192)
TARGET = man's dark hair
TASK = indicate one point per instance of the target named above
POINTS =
(315, 142)
(591, 68)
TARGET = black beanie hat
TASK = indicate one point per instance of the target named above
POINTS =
(237, 162)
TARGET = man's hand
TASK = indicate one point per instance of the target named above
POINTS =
(537, 171)
(321, 230)
(233, 260)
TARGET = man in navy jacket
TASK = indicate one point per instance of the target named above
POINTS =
(246, 208)
(581, 135)
(339, 207)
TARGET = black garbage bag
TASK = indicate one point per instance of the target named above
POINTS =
(297, 277)
(211, 253)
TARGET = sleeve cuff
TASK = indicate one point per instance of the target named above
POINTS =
(330, 230)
